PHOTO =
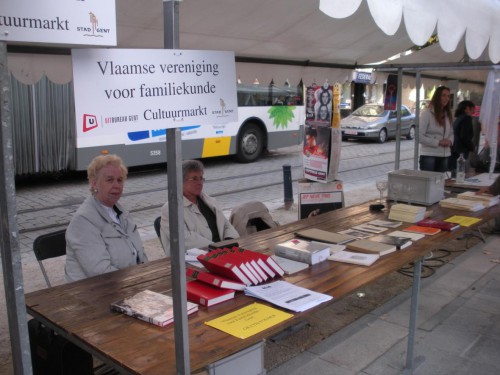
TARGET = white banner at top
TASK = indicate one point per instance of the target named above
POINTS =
(67, 22)
(126, 92)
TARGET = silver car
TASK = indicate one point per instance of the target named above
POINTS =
(371, 121)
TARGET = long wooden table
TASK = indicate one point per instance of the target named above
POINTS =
(80, 311)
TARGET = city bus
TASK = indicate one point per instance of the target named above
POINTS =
(44, 135)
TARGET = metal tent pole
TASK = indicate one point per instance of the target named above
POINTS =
(9, 246)
(176, 207)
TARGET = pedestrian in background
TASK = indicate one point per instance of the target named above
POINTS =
(436, 133)
(463, 134)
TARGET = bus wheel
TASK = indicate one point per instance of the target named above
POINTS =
(250, 143)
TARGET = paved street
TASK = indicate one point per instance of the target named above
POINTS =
(47, 206)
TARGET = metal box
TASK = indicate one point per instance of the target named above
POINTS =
(428, 187)
(249, 361)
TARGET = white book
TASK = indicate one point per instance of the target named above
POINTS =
(290, 266)
(354, 258)
(413, 236)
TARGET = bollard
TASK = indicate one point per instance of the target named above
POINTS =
(287, 183)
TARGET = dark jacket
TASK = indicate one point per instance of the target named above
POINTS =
(463, 132)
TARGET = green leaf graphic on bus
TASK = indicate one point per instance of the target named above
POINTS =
(281, 115)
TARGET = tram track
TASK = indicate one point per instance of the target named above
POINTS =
(265, 178)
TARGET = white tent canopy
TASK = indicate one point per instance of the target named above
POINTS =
(309, 44)
(451, 18)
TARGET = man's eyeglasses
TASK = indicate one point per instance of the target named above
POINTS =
(195, 179)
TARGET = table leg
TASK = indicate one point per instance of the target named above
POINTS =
(411, 362)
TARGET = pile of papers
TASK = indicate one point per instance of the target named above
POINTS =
(487, 199)
(407, 213)
(287, 295)
(461, 204)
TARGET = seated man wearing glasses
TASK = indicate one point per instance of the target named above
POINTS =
(204, 222)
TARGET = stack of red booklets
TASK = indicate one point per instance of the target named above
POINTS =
(242, 265)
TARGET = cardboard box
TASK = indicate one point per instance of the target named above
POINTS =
(427, 187)
(319, 197)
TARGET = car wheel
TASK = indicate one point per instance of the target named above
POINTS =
(411, 133)
(382, 136)
(250, 143)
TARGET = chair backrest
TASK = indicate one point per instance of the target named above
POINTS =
(157, 225)
(251, 217)
(50, 245)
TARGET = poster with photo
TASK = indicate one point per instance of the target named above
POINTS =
(317, 198)
(317, 132)
(322, 142)
(391, 92)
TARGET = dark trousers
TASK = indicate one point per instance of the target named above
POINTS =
(433, 163)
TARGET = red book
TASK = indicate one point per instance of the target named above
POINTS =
(423, 230)
(215, 280)
(207, 295)
(218, 262)
(275, 267)
(251, 262)
(440, 224)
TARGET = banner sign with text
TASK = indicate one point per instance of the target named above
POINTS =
(121, 93)
(77, 22)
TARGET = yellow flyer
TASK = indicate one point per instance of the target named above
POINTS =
(249, 320)
(465, 221)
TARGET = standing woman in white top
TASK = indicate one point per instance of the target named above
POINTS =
(102, 236)
(436, 133)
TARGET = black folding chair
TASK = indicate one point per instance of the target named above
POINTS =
(50, 245)
(157, 225)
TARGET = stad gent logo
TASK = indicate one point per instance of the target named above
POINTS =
(93, 30)
(89, 122)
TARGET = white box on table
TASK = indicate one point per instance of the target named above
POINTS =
(428, 187)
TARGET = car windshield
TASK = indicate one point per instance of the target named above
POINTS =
(369, 111)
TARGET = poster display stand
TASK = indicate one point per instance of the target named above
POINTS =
(322, 135)
(316, 198)
(319, 191)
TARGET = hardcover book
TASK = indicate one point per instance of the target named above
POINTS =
(246, 266)
(324, 236)
(206, 294)
(428, 231)
(440, 224)
(371, 247)
(290, 266)
(354, 258)
(218, 262)
(399, 242)
(214, 279)
(152, 307)
(412, 235)
(309, 252)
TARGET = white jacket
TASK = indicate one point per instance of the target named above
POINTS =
(95, 244)
(196, 230)
(430, 133)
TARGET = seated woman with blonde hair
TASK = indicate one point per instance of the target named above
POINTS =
(101, 236)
